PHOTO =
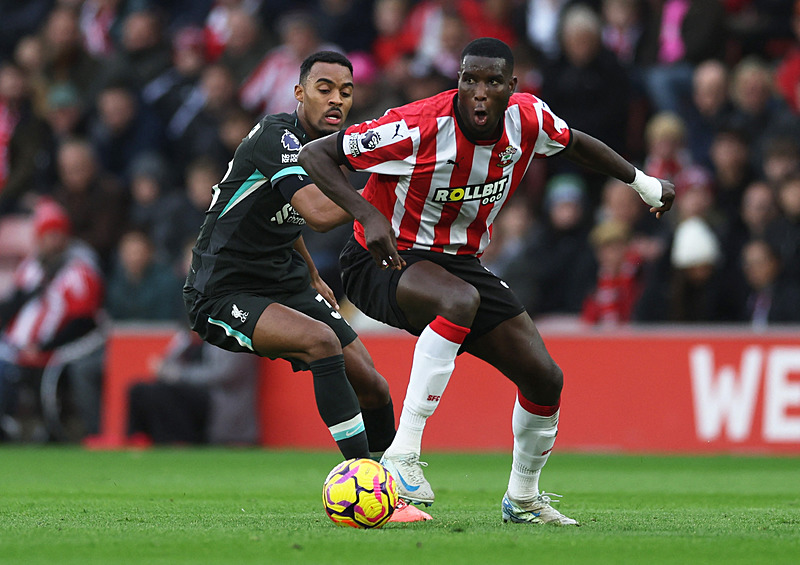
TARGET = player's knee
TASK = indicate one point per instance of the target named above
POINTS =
(542, 385)
(550, 383)
(459, 305)
(373, 391)
(322, 342)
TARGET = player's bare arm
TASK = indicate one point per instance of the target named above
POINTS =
(592, 153)
(321, 161)
(320, 212)
(316, 281)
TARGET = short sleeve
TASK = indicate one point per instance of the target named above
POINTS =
(275, 152)
(384, 146)
(554, 133)
(288, 185)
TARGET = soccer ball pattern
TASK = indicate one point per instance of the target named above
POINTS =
(359, 493)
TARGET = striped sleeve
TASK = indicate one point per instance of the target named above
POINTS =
(554, 134)
(384, 146)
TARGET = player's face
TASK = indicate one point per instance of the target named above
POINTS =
(325, 98)
(485, 85)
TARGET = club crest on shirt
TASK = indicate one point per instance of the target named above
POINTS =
(506, 155)
(290, 141)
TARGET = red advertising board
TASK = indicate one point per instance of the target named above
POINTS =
(676, 391)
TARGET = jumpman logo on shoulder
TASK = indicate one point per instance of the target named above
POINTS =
(397, 131)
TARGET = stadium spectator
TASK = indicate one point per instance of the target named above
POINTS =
(781, 158)
(618, 283)
(585, 84)
(787, 75)
(756, 107)
(694, 186)
(197, 131)
(142, 287)
(149, 186)
(558, 258)
(772, 298)
(181, 212)
(667, 154)
(100, 24)
(174, 89)
(512, 230)
(202, 395)
(29, 56)
(55, 301)
(235, 124)
(697, 288)
(622, 29)
(24, 140)
(270, 87)
(757, 210)
(218, 28)
(679, 34)
(732, 168)
(247, 42)
(65, 58)
(21, 19)
(64, 113)
(649, 237)
(392, 43)
(540, 21)
(343, 23)
(709, 110)
(122, 129)
(784, 232)
(143, 53)
(94, 200)
(449, 36)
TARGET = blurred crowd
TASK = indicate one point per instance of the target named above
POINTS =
(125, 113)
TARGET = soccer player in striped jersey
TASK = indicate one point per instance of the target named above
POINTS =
(253, 287)
(443, 167)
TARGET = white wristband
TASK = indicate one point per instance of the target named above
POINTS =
(649, 188)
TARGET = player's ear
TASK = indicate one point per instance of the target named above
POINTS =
(298, 92)
(512, 85)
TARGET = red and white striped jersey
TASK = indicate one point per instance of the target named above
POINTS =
(440, 190)
(75, 291)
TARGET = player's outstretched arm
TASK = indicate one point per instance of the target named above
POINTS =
(320, 159)
(592, 153)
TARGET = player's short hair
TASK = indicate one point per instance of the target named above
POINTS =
(323, 57)
(489, 47)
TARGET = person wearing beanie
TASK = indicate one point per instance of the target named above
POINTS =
(55, 300)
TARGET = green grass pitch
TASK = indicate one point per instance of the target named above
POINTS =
(65, 505)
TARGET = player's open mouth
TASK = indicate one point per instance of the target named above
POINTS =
(481, 117)
(333, 117)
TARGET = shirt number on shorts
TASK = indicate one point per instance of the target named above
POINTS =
(334, 313)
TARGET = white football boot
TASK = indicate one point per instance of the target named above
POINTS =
(411, 483)
(539, 511)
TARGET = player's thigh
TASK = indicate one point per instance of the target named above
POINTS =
(426, 290)
(266, 326)
(370, 386)
(517, 350)
(284, 332)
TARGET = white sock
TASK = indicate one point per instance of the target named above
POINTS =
(434, 360)
(534, 437)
